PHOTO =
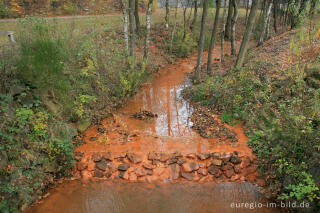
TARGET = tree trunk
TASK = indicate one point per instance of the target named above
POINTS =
(213, 35)
(313, 7)
(132, 33)
(167, 14)
(247, 9)
(184, 22)
(233, 28)
(275, 16)
(201, 39)
(175, 24)
(195, 14)
(136, 15)
(265, 24)
(229, 17)
(223, 29)
(148, 24)
(247, 34)
(125, 26)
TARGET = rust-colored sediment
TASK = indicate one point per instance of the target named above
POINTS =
(120, 137)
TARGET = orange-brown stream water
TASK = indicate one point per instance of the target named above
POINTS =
(170, 132)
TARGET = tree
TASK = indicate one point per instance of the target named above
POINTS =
(229, 17)
(136, 14)
(132, 33)
(125, 26)
(213, 35)
(233, 27)
(265, 24)
(247, 9)
(148, 23)
(275, 16)
(247, 34)
(223, 29)
(195, 14)
(175, 24)
(167, 14)
(201, 39)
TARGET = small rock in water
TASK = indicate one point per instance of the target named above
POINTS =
(134, 158)
(102, 165)
(144, 115)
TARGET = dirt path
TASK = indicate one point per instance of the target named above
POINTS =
(165, 147)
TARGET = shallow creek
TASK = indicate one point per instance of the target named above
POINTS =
(160, 164)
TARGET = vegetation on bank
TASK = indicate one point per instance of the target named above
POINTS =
(280, 109)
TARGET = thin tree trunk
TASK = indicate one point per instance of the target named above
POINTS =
(195, 14)
(136, 14)
(265, 24)
(267, 36)
(167, 14)
(125, 26)
(275, 16)
(229, 17)
(148, 24)
(175, 24)
(184, 22)
(223, 30)
(201, 40)
(247, 35)
(213, 35)
(233, 28)
(132, 33)
(247, 9)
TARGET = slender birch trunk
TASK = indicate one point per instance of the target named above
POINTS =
(125, 27)
(275, 16)
(175, 24)
(265, 24)
(213, 35)
(148, 24)
(223, 29)
(201, 40)
(132, 33)
(233, 28)
(167, 14)
(247, 35)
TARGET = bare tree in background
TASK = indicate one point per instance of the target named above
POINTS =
(132, 33)
(136, 14)
(223, 29)
(125, 26)
(195, 14)
(265, 23)
(229, 18)
(233, 27)
(148, 24)
(175, 24)
(201, 40)
(213, 35)
(247, 34)
(167, 14)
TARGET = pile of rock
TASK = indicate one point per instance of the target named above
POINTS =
(167, 166)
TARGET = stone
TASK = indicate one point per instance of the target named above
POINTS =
(164, 157)
(214, 170)
(235, 159)
(237, 169)
(229, 173)
(98, 173)
(177, 154)
(133, 177)
(123, 167)
(134, 158)
(173, 160)
(107, 156)
(96, 157)
(217, 162)
(101, 129)
(82, 165)
(109, 173)
(246, 162)
(216, 155)
(226, 167)
(174, 171)
(181, 161)
(153, 156)
(93, 138)
(187, 175)
(203, 171)
(191, 156)
(158, 171)
(189, 167)
(202, 165)
(78, 155)
(140, 171)
(112, 167)
(203, 156)
(119, 155)
(149, 172)
(102, 165)
(235, 177)
(148, 166)
(124, 175)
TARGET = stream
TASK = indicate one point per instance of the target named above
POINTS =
(117, 173)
